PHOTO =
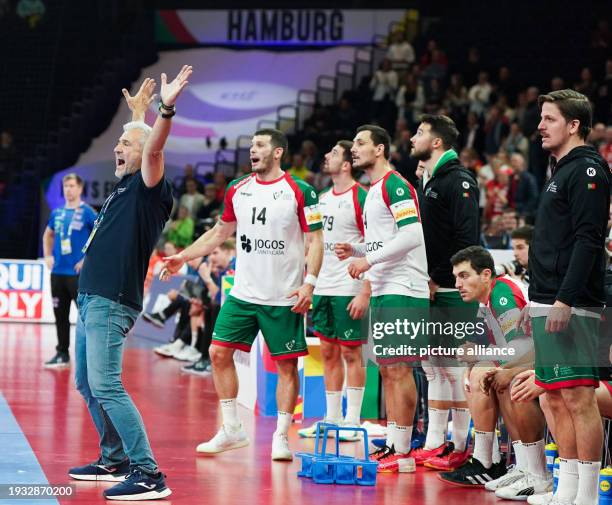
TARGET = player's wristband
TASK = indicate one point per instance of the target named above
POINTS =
(311, 279)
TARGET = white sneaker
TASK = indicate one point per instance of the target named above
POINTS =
(168, 350)
(224, 440)
(505, 480)
(350, 436)
(187, 353)
(280, 448)
(523, 488)
(311, 431)
(540, 499)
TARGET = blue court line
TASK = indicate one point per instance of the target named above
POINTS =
(18, 463)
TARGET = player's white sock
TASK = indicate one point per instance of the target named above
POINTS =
(483, 446)
(194, 338)
(333, 402)
(354, 399)
(536, 458)
(588, 483)
(390, 433)
(567, 488)
(403, 438)
(461, 425)
(520, 458)
(437, 427)
(229, 412)
(283, 422)
(495, 453)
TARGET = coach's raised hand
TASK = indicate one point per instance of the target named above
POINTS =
(170, 91)
(140, 102)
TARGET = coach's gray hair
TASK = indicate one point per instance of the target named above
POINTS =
(138, 125)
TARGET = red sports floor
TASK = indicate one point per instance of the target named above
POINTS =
(179, 411)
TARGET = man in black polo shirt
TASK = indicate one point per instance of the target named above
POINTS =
(110, 296)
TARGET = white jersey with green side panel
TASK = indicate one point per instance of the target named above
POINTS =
(342, 222)
(391, 204)
(506, 301)
(272, 218)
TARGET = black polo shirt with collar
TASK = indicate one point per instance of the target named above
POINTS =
(128, 227)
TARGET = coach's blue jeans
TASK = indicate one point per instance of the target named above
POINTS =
(100, 336)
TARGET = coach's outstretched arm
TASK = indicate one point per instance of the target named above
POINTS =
(152, 154)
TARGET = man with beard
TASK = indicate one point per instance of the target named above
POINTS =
(393, 255)
(271, 212)
(449, 211)
(340, 301)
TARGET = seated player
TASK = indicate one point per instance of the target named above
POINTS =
(501, 302)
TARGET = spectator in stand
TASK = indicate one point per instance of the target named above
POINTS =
(434, 95)
(471, 67)
(180, 182)
(474, 134)
(221, 182)
(410, 100)
(299, 170)
(401, 159)
(437, 67)
(601, 37)
(192, 200)
(430, 55)
(400, 53)
(470, 160)
(521, 108)
(210, 202)
(457, 100)
(531, 119)
(516, 142)
(384, 86)
(557, 83)
(496, 130)
(181, 229)
(597, 137)
(509, 220)
(480, 94)
(505, 84)
(310, 154)
(498, 192)
(587, 86)
(494, 236)
(523, 189)
(606, 149)
(345, 122)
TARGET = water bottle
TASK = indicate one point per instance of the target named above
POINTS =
(605, 486)
(556, 474)
(552, 452)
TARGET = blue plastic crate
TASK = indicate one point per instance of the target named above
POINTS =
(325, 468)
